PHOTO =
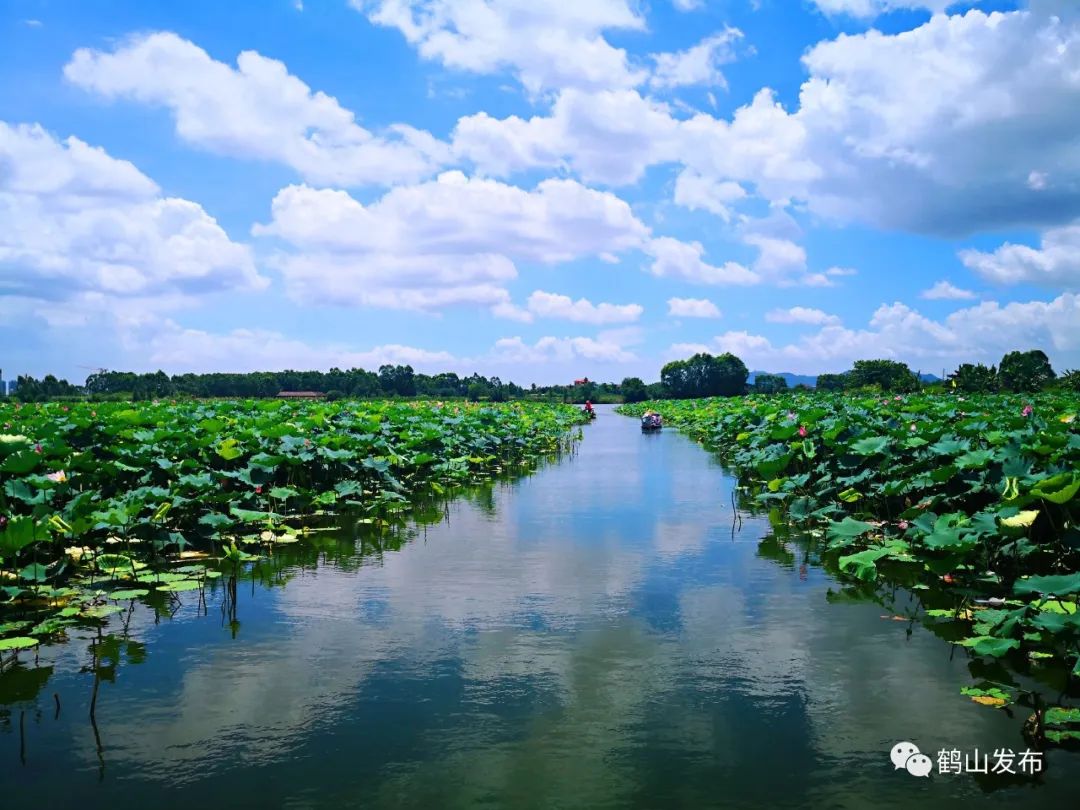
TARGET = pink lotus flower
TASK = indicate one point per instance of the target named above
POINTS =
(911, 427)
(1028, 410)
(258, 490)
(897, 398)
(903, 524)
(791, 415)
(59, 477)
(802, 431)
(37, 448)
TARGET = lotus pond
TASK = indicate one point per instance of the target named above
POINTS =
(624, 627)
(104, 503)
(969, 502)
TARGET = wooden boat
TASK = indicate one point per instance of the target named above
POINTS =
(651, 422)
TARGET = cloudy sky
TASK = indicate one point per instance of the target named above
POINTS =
(539, 190)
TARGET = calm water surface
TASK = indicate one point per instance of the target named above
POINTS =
(593, 636)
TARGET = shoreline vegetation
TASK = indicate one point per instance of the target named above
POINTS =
(969, 500)
(103, 503)
(963, 491)
(703, 375)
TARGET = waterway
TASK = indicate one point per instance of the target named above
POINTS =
(604, 633)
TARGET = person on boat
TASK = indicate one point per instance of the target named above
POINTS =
(589, 409)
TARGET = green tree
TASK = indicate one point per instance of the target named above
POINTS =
(1025, 371)
(1070, 380)
(769, 384)
(974, 379)
(889, 375)
(832, 382)
(633, 389)
(399, 380)
(705, 375)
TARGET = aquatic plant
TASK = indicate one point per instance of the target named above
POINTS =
(101, 502)
(976, 495)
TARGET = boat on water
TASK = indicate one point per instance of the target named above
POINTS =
(651, 421)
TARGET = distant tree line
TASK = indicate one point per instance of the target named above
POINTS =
(1017, 372)
(389, 381)
(703, 375)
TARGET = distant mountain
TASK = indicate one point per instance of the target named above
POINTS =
(792, 379)
(930, 378)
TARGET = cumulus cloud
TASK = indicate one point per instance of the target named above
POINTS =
(545, 45)
(553, 349)
(1056, 263)
(608, 136)
(777, 257)
(807, 315)
(255, 110)
(692, 308)
(166, 344)
(947, 128)
(673, 258)
(873, 8)
(983, 332)
(449, 241)
(698, 192)
(946, 291)
(551, 305)
(699, 64)
(75, 221)
(923, 130)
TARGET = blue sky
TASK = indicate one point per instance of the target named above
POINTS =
(537, 190)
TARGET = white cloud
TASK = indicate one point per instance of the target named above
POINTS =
(169, 345)
(687, 5)
(837, 272)
(510, 311)
(695, 191)
(551, 305)
(255, 110)
(678, 351)
(1055, 264)
(935, 130)
(872, 8)
(450, 241)
(74, 221)
(777, 257)
(699, 64)
(683, 260)
(607, 136)
(946, 291)
(545, 45)
(552, 349)
(981, 333)
(692, 308)
(801, 315)
(1037, 180)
